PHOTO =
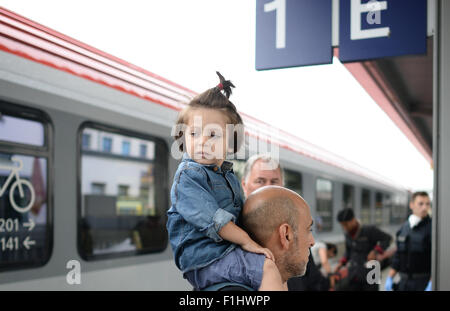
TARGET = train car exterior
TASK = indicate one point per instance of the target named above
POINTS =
(86, 137)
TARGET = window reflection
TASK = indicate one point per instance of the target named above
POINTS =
(379, 208)
(365, 207)
(23, 217)
(348, 196)
(21, 131)
(324, 205)
(25, 231)
(387, 209)
(293, 181)
(118, 187)
(399, 209)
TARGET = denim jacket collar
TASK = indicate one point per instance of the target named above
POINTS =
(225, 167)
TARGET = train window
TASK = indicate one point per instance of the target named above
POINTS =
(123, 197)
(21, 131)
(365, 207)
(143, 150)
(378, 208)
(324, 205)
(107, 144)
(399, 209)
(126, 148)
(348, 196)
(25, 192)
(387, 209)
(98, 188)
(293, 181)
(86, 141)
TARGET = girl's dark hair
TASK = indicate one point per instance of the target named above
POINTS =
(213, 98)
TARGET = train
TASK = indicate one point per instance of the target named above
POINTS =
(86, 168)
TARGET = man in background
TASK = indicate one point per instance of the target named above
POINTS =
(413, 256)
(363, 243)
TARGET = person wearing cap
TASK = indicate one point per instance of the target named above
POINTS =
(413, 256)
(363, 243)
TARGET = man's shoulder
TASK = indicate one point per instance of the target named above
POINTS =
(372, 229)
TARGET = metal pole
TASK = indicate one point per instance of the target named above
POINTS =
(441, 148)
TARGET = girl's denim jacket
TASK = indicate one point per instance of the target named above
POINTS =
(204, 199)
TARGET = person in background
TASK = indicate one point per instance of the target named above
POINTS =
(363, 243)
(321, 252)
(261, 170)
(413, 256)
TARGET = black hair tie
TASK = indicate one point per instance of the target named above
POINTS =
(224, 85)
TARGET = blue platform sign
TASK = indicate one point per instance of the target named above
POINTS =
(292, 33)
(374, 29)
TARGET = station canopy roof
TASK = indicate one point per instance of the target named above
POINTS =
(403, 87)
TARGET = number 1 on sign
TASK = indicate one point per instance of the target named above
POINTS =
(280, 34)
(11, 244)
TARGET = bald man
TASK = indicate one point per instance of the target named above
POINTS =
(263, 170)
(280, 220)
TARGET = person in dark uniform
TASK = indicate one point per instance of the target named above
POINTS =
(413, 256)
(363, 243)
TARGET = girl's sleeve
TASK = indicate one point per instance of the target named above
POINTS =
(196, 204)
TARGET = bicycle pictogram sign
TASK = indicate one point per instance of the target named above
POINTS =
(21, 184)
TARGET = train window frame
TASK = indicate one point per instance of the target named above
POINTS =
(162, 154)
(46, 150)
(332, 203)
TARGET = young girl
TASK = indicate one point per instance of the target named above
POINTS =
(209, 247)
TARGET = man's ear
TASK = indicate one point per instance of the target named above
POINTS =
(284, 234)
(243, 187)
(411, 204)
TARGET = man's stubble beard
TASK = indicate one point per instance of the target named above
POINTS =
(291, 267)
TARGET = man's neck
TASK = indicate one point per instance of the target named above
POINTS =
(354, 231)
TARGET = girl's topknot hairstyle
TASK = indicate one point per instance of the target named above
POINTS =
(213, 98)
(224, 85)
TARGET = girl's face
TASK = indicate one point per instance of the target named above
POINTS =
(205, 136)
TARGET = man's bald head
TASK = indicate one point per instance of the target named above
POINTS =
(269, 207)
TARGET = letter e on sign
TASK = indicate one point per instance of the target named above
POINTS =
(370, 29)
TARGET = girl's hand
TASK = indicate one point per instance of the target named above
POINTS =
(254, 247)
